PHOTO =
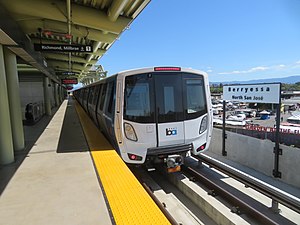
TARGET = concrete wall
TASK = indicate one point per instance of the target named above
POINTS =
(258, 154)
(30, 92)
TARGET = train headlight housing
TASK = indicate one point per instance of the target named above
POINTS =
(130, 132)
(203, 125)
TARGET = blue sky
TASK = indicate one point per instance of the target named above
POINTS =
(230, 40)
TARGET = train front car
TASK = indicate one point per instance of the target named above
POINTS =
(162, 115)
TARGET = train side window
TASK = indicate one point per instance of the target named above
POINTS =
(86, 95)
(91, 95)
(83, 95)
(99, 96)
(112, 97)
(102, 98)
(96, 94)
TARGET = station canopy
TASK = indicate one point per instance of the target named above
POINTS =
(64, 38)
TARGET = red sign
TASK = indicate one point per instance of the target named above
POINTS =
(283, 129)
(69, 81)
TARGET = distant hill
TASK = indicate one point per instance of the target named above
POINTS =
(286, 80)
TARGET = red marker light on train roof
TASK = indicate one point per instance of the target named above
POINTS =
(167, 69)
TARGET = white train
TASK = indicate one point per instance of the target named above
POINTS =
(152, 115)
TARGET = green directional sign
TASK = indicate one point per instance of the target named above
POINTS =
(63, 48)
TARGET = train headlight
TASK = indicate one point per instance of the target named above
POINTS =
(129, 132)
(203, 125)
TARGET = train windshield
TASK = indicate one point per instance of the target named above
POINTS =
(164, 97)
(195, 97)
(138, 106)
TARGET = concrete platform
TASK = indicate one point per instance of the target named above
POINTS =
(53, 181)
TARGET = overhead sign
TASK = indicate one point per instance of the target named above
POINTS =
(68, 73)
(256, 93)
(69, 87)
(63, 48)
(69, 81)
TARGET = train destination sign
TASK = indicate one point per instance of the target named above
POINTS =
(63, 48)
(69, 81)
(255, 93)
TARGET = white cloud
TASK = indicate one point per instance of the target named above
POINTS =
(209, 71)
(280, 67)
(259, 68)
(254, 69)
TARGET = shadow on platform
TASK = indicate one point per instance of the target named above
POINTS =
(71, 138)
(32, 133)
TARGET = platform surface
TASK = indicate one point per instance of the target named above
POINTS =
(127, 199)
(54, 182)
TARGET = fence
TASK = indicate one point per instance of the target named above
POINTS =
(289, 139)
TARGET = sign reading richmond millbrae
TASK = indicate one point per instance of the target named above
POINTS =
(256, 93)
(63, 48)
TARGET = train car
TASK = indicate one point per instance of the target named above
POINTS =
(152, 115)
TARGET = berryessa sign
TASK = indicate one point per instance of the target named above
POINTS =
(256, 93)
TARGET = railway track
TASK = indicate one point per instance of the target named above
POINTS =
(238, 206)
(235, 209)
(275, 194)
(178, 208)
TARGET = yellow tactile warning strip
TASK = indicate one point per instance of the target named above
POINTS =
(129, 202)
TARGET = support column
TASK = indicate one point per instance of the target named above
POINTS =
(56, 94)
(6, 142)
(60, 94)
(13, 91)
(63, 90)
(65, 93)
(47, 96)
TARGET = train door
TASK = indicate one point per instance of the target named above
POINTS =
(169, 109)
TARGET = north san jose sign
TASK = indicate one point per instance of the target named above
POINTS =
(255, 93)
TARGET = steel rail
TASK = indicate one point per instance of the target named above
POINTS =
(288, 200)
(240, 206)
